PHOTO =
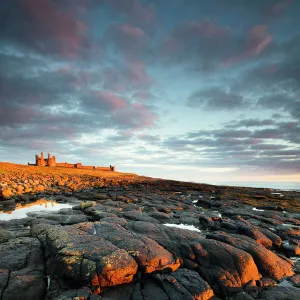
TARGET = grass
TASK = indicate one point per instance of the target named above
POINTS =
(6, 168)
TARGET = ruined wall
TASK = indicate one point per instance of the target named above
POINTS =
(103, 168)
(66, 165)
(51, 162)
(88, 167)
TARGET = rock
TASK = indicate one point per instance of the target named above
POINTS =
(266, 282)
(22, 269)
(138, 216)
(280, 293)
(5, 235)
(225, 267)
(246, 228)
(268, 263)
(80, 294)
(115, 220)
(295, 280)
(100, 196)
(152, 291)
(185, 284)
(4, 276)
(122, 292)
(243, 296)
(149, 255)
(276, 240)
(87, 258)
(26, 283)
(290, 249)
(6, 192)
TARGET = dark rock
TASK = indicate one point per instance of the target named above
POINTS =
(149, 255)
(268, 263)
(5, 235)
(266, 282)
(280, 293)
(224, 267)
(246, 228)
(185, 284)
(243, 296)
(26, 283)
(295, 280)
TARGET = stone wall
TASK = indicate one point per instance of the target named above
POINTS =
(51, 162)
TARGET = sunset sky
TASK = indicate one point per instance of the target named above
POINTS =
(198, 90)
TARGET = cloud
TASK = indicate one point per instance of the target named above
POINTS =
(129, 40)
(44, 26)
(257, 41)
(274, 148)
(250, 123)
(216, 99)
(136, 116)
(137, 11)
(104, 101)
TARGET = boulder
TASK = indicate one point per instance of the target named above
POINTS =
(280, 293)
(185, 284)
(268, 263)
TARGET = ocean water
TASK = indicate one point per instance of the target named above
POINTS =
(20, 211)
(291, 186)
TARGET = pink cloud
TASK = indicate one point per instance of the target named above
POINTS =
(109, 100)
(131, 41)
(131, 76)
(50, 21)
(257, 41)
(137, 74)
(137, 116)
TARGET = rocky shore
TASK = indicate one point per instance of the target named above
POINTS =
(137, 238)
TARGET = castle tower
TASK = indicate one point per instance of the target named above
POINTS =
(51, 161)
(37, 160)
(42, 160)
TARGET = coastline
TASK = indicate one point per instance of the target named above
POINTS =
(124, 236)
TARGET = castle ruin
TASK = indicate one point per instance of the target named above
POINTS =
(51, 162)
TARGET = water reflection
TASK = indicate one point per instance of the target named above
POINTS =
(20, 210)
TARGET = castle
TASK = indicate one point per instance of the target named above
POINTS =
(51, 162)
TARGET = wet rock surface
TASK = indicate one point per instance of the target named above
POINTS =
(114, 244)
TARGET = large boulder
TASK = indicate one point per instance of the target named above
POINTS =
(226, 268)
(268, 263)
(84, 258)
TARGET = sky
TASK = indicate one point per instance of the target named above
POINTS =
(202, 91)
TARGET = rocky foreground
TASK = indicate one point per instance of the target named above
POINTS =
(119, 240)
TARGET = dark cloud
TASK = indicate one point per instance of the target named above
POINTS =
(250, 123)
(273, 148)
(43, 25)
(216, 99)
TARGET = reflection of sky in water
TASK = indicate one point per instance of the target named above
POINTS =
(40, 205)
(182, 226)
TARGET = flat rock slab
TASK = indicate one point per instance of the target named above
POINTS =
(280, 293)
(104, 254)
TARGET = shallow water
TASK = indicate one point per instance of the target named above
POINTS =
(254, 208)
(21, 211)
(182, 226)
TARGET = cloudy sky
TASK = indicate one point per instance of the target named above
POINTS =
(194, 90)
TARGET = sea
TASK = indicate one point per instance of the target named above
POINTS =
(288, 186)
